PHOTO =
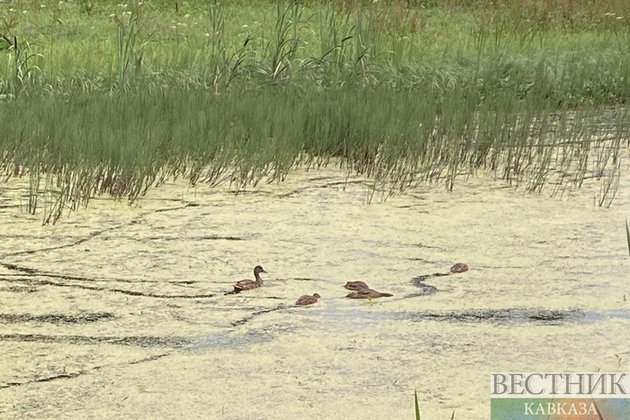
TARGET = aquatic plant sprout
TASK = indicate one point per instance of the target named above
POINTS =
(628, 235)
(417, 406)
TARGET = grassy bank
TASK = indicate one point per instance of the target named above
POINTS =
(102, 97)
(568, 52)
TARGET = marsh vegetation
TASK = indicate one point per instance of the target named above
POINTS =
(123, 311)
(112, 98)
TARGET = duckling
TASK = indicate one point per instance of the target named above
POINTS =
(241, 285)
(367, 294)
(307, 299)
(459, 268)
(356, 285)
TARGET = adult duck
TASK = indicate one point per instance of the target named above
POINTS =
(241, 285)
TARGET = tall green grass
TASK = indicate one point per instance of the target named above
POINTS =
(89, 144)
(526, 50)
(98, 104)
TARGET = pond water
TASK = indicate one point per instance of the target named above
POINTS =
(120, 311)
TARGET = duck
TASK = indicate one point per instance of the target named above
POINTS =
(459, 268)
(241, 285)
(367, 294)
(307, 299)
(356, 285)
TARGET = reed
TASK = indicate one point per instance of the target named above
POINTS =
(112, 98)
(417, 406)
(628, 235)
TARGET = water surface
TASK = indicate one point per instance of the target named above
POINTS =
(119, 311)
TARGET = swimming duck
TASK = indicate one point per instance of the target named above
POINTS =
(356, 285)
(367, 294)
(459, 268)
(241, 285)
(307, 299)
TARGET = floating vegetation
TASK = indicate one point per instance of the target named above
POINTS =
(18, 289)
(510, 315)
(139, 341)
(54, 318)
